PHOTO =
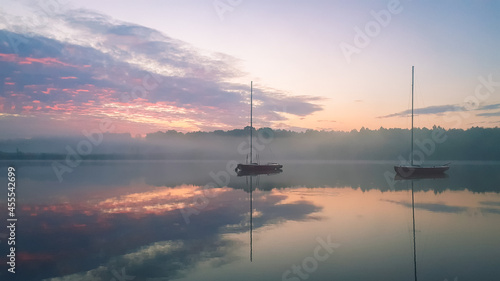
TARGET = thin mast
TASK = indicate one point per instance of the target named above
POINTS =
(412, 79)
(251, 121)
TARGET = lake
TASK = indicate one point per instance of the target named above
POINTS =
(196, 220)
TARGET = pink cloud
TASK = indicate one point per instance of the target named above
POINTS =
(8, 57)
(29, 60)
(48, 90)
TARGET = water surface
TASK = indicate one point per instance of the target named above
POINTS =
(186, 220)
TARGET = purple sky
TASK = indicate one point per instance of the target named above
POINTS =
(186, 65)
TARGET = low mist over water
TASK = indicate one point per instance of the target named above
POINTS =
(271, 145)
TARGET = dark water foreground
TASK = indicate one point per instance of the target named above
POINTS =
(156, 220)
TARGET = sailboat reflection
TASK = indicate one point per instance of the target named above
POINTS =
(417, 176)
(249, 181)
(251, 217)
(412, 179)
(414, 242)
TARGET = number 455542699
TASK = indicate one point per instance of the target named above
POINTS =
(11, 187)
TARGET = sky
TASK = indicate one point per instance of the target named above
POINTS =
(146, 66)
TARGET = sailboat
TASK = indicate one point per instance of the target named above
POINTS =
(412, 169)
(255, 167)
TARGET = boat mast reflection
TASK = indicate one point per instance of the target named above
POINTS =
(412, 179)
(250, 175)
(414, 241)
(251, 219)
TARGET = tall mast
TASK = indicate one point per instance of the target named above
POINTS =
(251, 121)
(412, 79)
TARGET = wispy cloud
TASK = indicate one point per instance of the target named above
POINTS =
(490, 203)
(437, 109)
(489, 114)
(490, 211)
(432, 207)
(84, 72)
(490, 106)
(440, 109)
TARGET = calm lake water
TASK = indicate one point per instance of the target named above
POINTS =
(147, 220)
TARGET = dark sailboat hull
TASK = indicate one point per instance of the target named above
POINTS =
(408, 171)
(260, 168)
(242, 173)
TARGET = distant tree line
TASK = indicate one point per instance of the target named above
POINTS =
(475, 143)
